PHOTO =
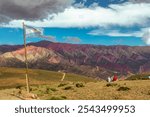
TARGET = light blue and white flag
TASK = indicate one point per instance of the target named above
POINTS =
(33, 32)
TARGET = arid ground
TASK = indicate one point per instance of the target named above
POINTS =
(47, 85)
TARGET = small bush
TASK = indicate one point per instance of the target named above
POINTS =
(53, 89)
(18, 87)
(47, 90)
(111, 85)
(62, 84)
(68, 88)
(123, 89)
(78, 85)
(64, 97)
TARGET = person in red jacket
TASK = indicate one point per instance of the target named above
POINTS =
(115, 78)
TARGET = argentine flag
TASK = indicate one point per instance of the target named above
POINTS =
(32, 32)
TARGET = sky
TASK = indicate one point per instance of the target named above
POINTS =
(100, 22)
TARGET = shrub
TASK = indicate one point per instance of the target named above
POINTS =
(18, 87)
(68, 88)
(53, 89)
(78, 85)
(47, 90)
(64, 97)
(123, 89)
(62, 84)
(111, 85)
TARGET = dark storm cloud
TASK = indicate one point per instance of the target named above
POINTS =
(140, 1)
(30, 9)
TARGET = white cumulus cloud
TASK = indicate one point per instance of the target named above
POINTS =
(116, 33)
(126, 15)
(143, 33)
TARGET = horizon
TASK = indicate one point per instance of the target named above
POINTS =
(70, 44)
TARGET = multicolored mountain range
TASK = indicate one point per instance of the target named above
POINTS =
(90, 60)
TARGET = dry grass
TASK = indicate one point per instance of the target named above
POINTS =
(47, 86)
(129, 90)
(12, 77)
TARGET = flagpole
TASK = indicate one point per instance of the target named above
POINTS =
(26, 59)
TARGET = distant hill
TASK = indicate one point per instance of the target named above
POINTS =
(90, 60)
(9, 48)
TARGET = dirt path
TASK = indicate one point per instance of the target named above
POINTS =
(6, 95)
